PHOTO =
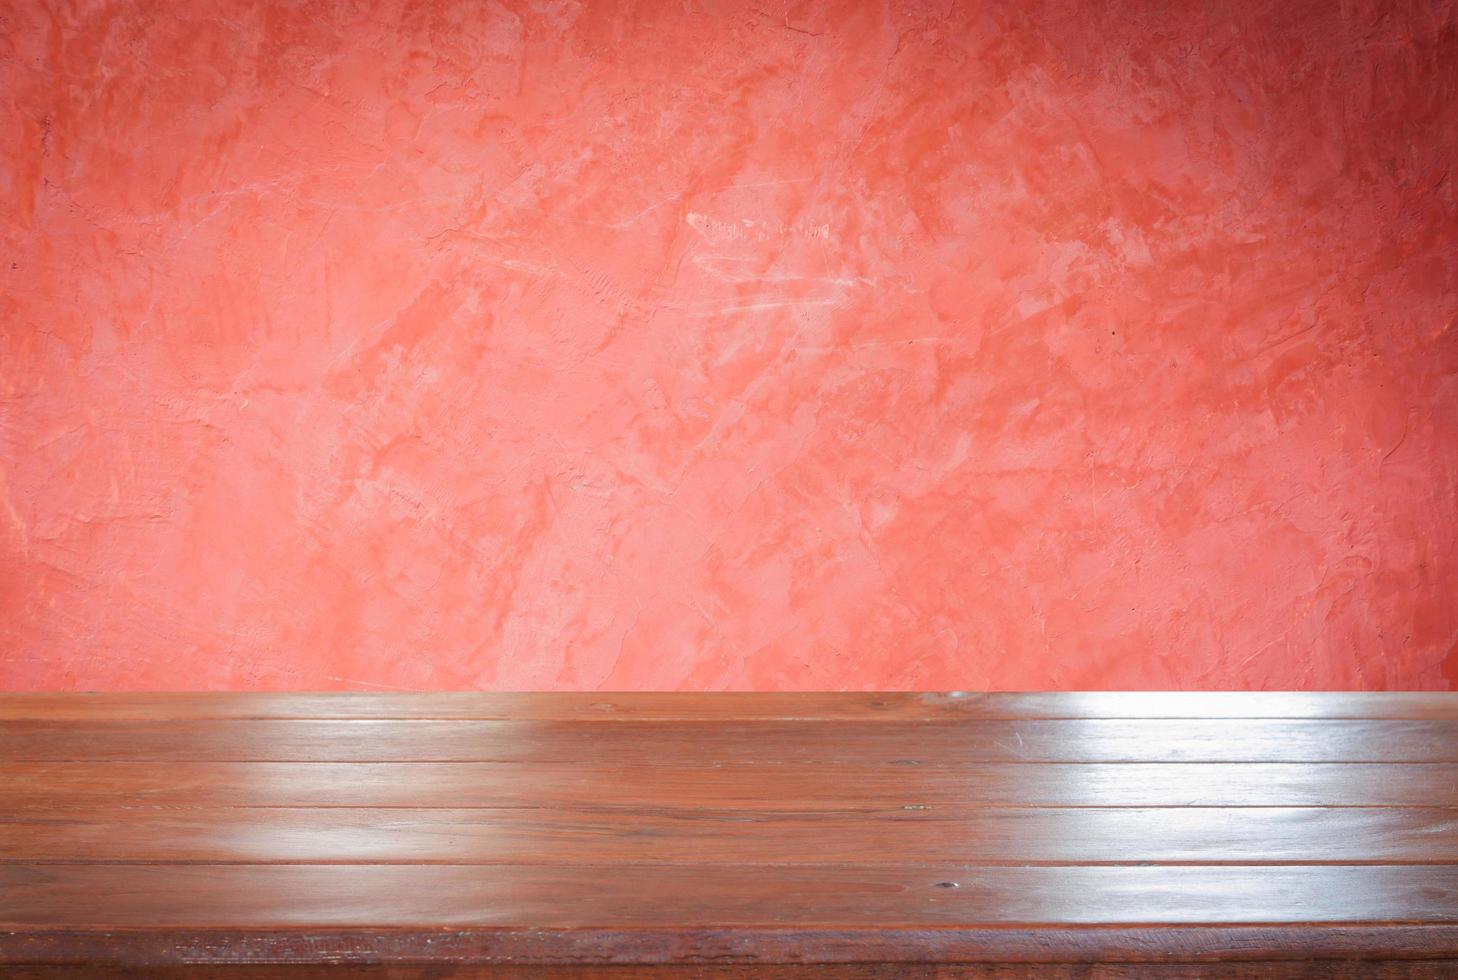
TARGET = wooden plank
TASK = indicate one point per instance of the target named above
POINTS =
(661, 832)
(741, 706)
(746, 787)
(763, 743)
(1010, 947)
(676, 897)
(1205, 970)
(941, 835)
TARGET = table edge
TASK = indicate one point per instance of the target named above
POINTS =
(134, 947)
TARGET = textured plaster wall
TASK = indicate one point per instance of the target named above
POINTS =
(701, 344)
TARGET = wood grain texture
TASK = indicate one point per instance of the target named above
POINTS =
(639, 897)
(768, 743)
(945, 834)
(48, 785)
(856, 836)
(738, 706)
(772, 945)
(1249, 970)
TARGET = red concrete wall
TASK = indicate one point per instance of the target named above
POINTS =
(704, 344)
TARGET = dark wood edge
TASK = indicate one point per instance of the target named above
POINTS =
(1122, 943)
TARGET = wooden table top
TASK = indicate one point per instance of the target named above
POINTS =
(735, 835)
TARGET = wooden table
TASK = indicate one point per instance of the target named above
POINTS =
(719, 836)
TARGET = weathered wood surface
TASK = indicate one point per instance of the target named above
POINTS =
(856, 836)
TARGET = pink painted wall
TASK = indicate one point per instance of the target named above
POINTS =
(698, 344)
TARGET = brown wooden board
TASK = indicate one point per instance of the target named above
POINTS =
(857, 836)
